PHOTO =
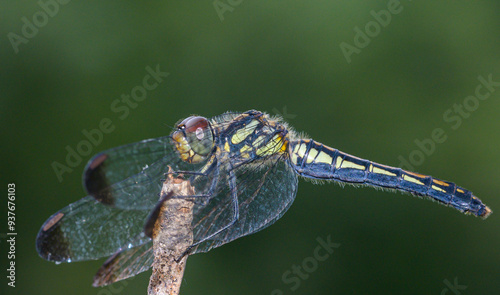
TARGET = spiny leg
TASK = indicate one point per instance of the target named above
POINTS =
(195, 175)
(153, 216)
(234, 197)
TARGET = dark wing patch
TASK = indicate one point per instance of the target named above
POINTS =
(131, 176)
(87, 230)
(120, 163)
(51, 243)
(95, 180)
(124, 183)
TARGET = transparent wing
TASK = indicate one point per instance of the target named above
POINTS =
(88, 229)
(117, 164)
(265, 191)
(124, 184)
(129, 177)
(124, 264)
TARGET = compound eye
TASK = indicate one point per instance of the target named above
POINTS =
(196, 125)
(198, 134)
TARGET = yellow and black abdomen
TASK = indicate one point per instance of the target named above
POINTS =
(314, 160)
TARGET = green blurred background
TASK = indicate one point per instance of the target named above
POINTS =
(281, 57)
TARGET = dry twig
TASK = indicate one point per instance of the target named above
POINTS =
(172, 235)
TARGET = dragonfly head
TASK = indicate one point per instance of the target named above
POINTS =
(194, 139)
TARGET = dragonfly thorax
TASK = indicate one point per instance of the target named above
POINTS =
(252, 136)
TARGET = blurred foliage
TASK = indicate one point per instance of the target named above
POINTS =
(278, 57)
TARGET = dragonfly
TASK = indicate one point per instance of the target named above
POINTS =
(244, 168)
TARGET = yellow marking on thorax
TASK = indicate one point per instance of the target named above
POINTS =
(258, 141)
(439, 182)
(245, 149)
(460, 191)
(438, 188)
(272, 147)
(226, 147)
(411, 179)
(284, 147)
(278, 140)
(244, 132)
(208, 164)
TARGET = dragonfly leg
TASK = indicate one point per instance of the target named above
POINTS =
(205, 197)
(154, 214)
(197, 175)
(186, 172)
(204, 171)
(236, 214)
